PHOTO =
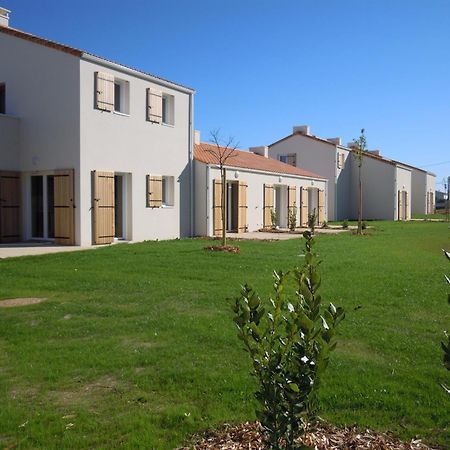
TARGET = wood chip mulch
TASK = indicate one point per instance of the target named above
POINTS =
(223, 248)
(248, 436)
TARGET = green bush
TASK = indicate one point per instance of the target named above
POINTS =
(345, 224)
(273, 217)
(364, 225)
(324, 224)
(292, 219)
(289, 344)
(312, 219)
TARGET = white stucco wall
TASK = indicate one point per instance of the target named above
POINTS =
(431, 185)
(418, 191)
(403, 178)
(343, 185)
(9, 143)
(42, 90)
(379, 189)
(255, 181)
(315, 156)
(131, 145)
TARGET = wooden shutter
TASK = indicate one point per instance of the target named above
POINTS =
(103, 207)
(10, 211)
(217, 206)
(304, 207)
(268, 205)
(104, 91)
(154, 191)
(64, 207)
(154, 105)
(242, 210)
(321, 212)
(406, 205)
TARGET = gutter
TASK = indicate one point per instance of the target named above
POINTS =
(135, 73)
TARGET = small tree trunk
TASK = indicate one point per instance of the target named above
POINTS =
(224, 205)
(360, 204)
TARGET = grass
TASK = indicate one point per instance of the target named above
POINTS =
(135, 347)
(440, 215)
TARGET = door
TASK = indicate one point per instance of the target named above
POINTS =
(10, 212)
(321, 212)
(304, 197)
(63, 207)
(103, 207)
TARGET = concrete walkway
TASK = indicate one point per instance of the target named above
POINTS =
(35, 248)
(282, 236)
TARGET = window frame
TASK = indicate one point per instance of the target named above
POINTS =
(124, 100)
(168, 109)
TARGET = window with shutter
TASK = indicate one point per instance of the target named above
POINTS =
(304, 206)
(154, 105)
(154, 191)
(104, 91)
(268, 205)
(242, 209)
(217, 207)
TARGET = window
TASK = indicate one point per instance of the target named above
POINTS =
(340, 160)
(168, 109)
(2, 99)
(290, 159)
(121, 96)
(167, 191)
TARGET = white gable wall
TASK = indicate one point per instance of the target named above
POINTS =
(343, 185)
(9, 143)
(403, 183)
(315, 156)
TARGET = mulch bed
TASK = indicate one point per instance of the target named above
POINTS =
(223, 248)
(248, 436)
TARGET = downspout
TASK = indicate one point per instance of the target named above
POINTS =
(191, 166)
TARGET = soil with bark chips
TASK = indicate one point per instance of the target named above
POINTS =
(248, 436)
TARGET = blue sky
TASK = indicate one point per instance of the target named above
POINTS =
(261, 66)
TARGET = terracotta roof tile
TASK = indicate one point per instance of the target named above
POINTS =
(206, 153)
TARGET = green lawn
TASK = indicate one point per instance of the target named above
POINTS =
(440, 215)
(135, 347)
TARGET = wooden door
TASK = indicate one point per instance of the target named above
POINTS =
(242, 207)
(304, 207)
(10, 211)
(64, 207)
(400, 205)
(268, 205)
(217, 207)
(103, 207)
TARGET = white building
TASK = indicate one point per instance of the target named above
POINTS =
(90, 150)
(390, 188)
(257, 186)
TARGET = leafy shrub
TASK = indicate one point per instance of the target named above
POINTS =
(345, 224)
(324, 224)
(292, 219)
(273, 217)
(312, 219)
(364, 225)
(289, 344)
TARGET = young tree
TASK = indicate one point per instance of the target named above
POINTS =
(222, 150)
(360, 148)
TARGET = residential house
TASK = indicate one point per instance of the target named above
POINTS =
(259, 190)
(388, 190)
(91, 151)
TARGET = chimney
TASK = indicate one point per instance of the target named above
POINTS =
(352, 145)
(336, 141)
(262, 150)
(4, 17)
(301, 129)
(375, 152)
(196, 137)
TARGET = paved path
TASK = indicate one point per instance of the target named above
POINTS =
(262, 235)
(35, 248)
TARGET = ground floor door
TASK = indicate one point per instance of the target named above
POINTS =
(10, 211)
(232, 204)
(402, 205)
(52, 206)
(109, 206)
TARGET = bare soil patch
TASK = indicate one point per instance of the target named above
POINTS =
(248, 436)
(11, 303)
(223, 248)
